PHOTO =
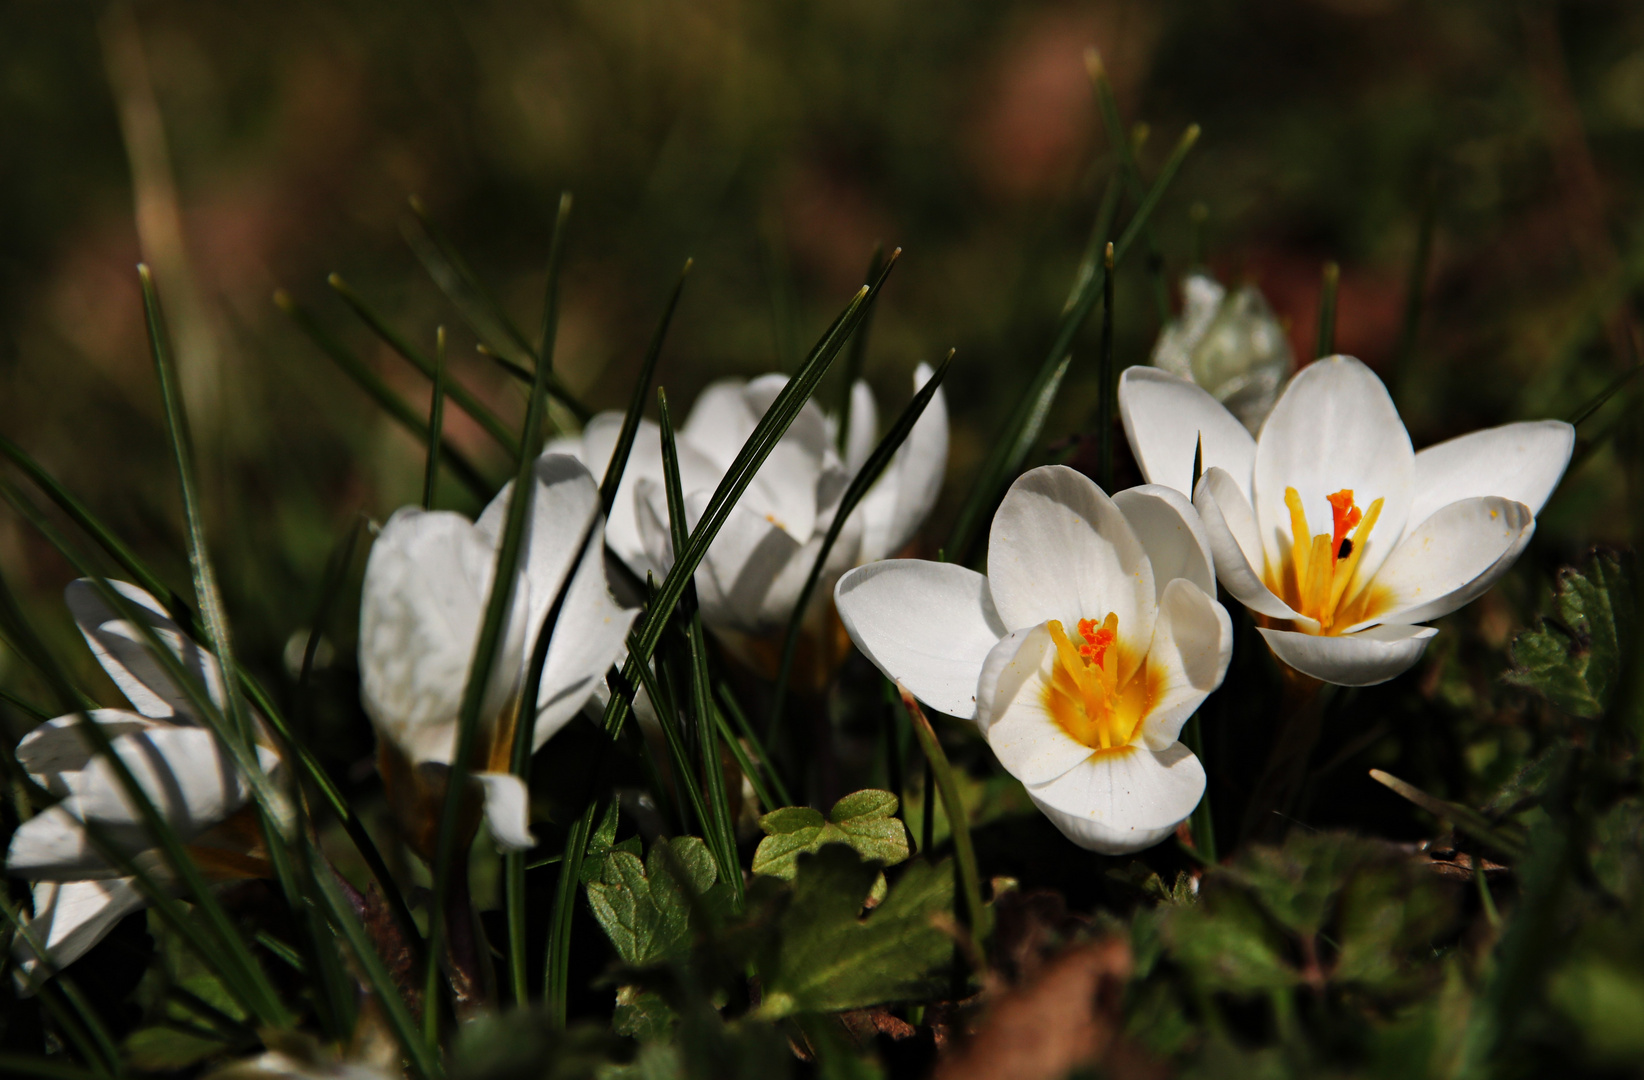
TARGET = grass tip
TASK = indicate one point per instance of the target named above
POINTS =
(1093, 63)
(284, 302)
(335, 280)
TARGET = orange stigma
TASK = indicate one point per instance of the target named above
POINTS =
(1084, 695)
(1318, 577)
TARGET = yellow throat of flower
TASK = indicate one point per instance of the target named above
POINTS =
(1084, 695)
(1316, 576)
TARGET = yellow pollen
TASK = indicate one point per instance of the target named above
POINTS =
(1084, 695)
(1318, 577)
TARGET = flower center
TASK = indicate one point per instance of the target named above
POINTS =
(1317, 577)
(1084, 695)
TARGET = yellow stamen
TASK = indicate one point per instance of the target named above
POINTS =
(1298, 538)
(1084, 695)
(1319, 580)
(1344, 574)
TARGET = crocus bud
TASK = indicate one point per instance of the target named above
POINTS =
(1228, 343)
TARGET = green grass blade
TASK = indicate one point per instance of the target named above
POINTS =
(491, 634)
(44, 1068)
(379, 391)
(1203, 824)
(29, 709)
(1132, 172)
(424, 1061)
(860, 484)
(105, 538)
(964, 853)
(1325, 345)
(1602, 398)
(223, 950)
(1107, 380)
(857, 358)
(636, 404)
(758, 446)
(479, 307)
(464, 397)
(767, 797)
(74, 1016)
(1465, 818)
(740, 718)
(716, 820)
(679, 755)
(520, 763)
(436, 422)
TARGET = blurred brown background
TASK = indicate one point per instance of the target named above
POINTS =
(244, 147)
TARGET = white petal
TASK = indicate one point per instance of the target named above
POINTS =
(70, 917)
(1117, 803)
(1333, 428)
(57, 746)
(1171, 533)
(1230, 525)
(1165, 417)
(1192, 643)
(507, 810)
(926, 625)
(53, 845)
(1011, 711)
(1451, 559)
(426, 584)
(589, 637)
(754, 570)
(124, 652)
(1060, 549)
(862, 427)
(904, 496)
(720, 422)
(1522, 462)
(622, 531)
(1363, 659)
(186, 772)
(565, 501)
(787, 488)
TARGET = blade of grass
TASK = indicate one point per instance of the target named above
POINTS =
(857, 358)
(77, 1020)
(1326, 342)
(1415, 284)
(520, 764)
(1602, 398)
(758, 446)
(460, 394)
(379, 391)
(436, 422)
(1465, 818)
(764, 794)
(424, 1062)
(478, 306)
(82, 517)
(1203, 822)
(745, 729)
(636, 404)
(45, 1068)
(33, 712)
(1022, 429)
(1107, 385)
(497, 607)
(716, 822)
(673, 734)
(964, 854)
(865, 478)
(1132, 172)
(222, 949)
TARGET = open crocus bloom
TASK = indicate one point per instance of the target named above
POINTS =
(426, 587)
(1329, 526)
(181, 766)
(1092, 639)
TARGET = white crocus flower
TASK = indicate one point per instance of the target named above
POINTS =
(1329, 526)
(1091, 640)
(1229, 344)
(754, 570)
(426, 587)
(180, 765)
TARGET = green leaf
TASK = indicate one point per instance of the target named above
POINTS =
(166, 1049)
(645, 908)
(826, 957)
(1230, 945)
(866, 822)
(1574, 657)
(642, 1014)
(522, 1045)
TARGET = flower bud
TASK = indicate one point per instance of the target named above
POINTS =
(1228, 343)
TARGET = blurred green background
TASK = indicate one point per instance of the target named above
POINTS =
(240, 148)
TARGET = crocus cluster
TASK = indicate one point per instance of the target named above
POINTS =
(181, 766)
